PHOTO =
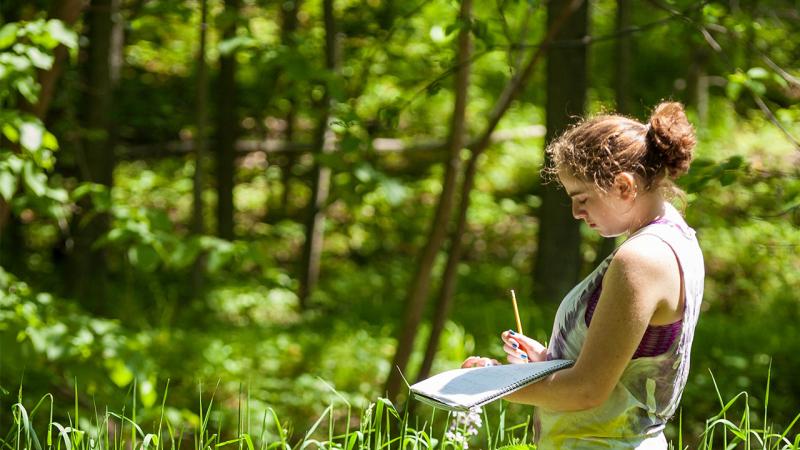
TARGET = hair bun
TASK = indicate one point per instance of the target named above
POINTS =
(671, 136)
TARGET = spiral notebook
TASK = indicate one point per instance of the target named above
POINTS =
(462, 389)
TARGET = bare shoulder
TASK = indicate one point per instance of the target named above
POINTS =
(645, 259)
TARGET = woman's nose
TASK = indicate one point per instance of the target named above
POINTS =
(576, 211)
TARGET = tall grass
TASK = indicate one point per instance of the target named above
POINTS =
(378, 426)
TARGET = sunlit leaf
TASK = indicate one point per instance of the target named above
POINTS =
(28, 87)
(39, 58)
(16, 62)
(217, 259)
(231, 45)
(8, 34)
(60, 195)
(119, 372)
(34, 180)
(185, 254)
(49, 141)
(758, 73)
(11, 133)
(8, 185)
(147, 393)
(31, 135)
(395, 191)
(62, 34)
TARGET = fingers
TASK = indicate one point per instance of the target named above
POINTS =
(478, 361)
(516, 359)
(472, 361)
(519, 338)
(515, 353)
(521, 348)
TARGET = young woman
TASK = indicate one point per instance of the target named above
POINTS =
(629, 324)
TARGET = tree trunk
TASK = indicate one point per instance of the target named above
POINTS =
(623, 87)
(288, 163)
(558, 259)
(95, 156)
(289, 22)
(323, 139)
(444, 209)
(623, 63)
(227, 126)
(697, 84)
(509, 93)
(201, 118)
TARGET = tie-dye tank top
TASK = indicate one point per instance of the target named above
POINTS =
(647, 395)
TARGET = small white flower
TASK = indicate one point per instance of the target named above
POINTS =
(463, 425)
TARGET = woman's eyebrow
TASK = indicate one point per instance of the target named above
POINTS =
(573, 194)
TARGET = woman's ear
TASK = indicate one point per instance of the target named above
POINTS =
(625, 186)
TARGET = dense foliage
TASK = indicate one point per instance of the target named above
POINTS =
(210, 316)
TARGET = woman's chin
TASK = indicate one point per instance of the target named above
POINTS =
(608, 234)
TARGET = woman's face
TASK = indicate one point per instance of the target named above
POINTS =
(605, 212)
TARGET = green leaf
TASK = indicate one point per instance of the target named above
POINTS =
(34, 180)
(8, 35)
(61, 33)
(734, 162)
(84, 189)
(119, 372)
(28, 87)
(778, 79)
(147, 393)
(39, 35)
(455, 26)
(365, 173)
(727, 178)
(39, 58)
(49, 141)
(59, 195)
(11, 133)
(480, 29)
(217, 259)
(733, 90)
(185, 254)
(758, 73)
(228, 46)
(144, 257)
(15, 163)
(757, 87)
(8, 185)
(17, 62)
(433, 88)
(396, 193)
(32, 134)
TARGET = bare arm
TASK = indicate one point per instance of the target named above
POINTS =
(642, 282)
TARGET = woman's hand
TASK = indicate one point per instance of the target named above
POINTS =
(478, 361)
(522, 349)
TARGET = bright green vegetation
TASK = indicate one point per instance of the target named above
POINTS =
(379, 425)
(275, 374)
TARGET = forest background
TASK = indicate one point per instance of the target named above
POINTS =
(300, 196)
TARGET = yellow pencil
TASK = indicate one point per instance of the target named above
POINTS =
(516, 312)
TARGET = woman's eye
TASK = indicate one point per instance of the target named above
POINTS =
(582, 201)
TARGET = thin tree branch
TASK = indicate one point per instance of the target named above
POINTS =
(276, 146)
(762, 105)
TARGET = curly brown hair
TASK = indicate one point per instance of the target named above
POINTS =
(597, 149)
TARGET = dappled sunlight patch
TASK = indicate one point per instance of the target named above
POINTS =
(248, 304)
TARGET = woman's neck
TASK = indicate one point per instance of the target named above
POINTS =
(650, 207)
